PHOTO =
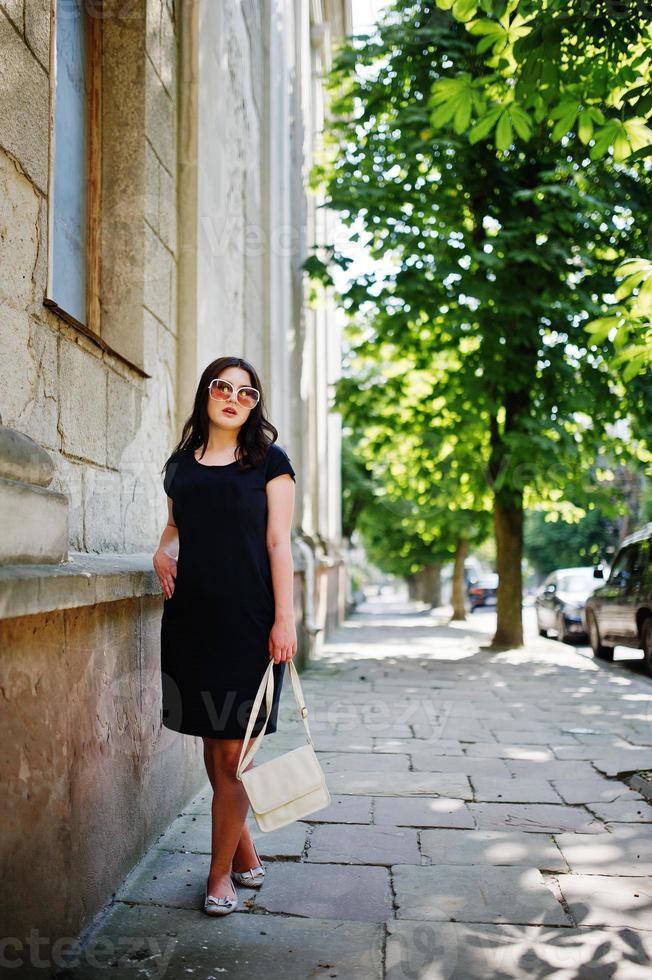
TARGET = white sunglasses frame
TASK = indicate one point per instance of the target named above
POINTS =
(233, 389)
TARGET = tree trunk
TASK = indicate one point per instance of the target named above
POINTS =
(429, 584)
(459, 592)
(508, 528)
(412, 586)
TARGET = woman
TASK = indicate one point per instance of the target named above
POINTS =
(228, 605)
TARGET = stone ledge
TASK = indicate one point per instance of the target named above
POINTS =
(83, 580)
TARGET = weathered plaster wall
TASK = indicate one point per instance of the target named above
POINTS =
(89, 777)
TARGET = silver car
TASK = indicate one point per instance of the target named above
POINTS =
(559, 603)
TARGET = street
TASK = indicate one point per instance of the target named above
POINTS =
(481, 824)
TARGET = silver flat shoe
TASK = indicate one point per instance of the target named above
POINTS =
(218, 906)
(253, 878)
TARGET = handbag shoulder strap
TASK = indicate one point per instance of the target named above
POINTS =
(267, 686)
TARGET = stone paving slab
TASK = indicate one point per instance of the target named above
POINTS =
(594, 900)
(458, 729)
(428, 761)
(368, 727)
(601, 742)
(344, 809)
(351, 742)
(458, 951)
(531, 736)
(550, 770)
(169, 878)
(626, 850)
(475, 894)
(542, 818)
(584, 752)
(328, 891)
(382, 845)
(437, 746)
(513, 790)
(166, 944)
(596, 790)
(623, 810)
(494, 750)
(495, 847)
(420, 812)
(400, 784)
(193, 833)
(528, 737)
(332, 762)
(623, 761)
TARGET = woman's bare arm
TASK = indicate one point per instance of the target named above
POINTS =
(280, 501)
(167, 554)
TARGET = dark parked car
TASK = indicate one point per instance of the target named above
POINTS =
(559, 603)
(483, 591)
(620, 611)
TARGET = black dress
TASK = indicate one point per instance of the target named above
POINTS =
(215, 627)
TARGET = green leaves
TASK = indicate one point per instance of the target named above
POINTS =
(468, 365)
(462, 10)
(630, 325)
(453, 99)
(558, 66)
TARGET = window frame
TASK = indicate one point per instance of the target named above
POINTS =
(96, 41)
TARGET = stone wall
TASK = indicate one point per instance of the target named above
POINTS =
(107, 426)
(206, 138)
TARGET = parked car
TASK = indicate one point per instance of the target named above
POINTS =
(483, 591)
(559, 603)
(619, 613)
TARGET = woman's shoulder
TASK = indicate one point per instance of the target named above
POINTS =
(277, 461)
(276, 449)
(171, 466)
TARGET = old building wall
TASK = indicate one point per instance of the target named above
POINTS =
(203, 122)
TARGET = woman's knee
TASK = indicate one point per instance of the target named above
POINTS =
(225, 754)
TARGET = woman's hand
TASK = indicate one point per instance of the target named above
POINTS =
(283, 639)
(165, 567)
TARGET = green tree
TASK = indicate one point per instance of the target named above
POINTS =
(489, 262)
(551, 544)
(580, 71)
(415, 495)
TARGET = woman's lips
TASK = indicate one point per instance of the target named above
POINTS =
(229, 411)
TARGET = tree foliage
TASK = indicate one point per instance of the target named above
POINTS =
(578, 71)
(489, 265)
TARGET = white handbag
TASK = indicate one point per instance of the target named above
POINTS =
(290, 786)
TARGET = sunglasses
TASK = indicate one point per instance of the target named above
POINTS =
(221, 390)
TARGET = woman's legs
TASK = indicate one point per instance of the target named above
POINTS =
(231, 844)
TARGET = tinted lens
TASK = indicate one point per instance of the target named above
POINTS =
(248, 397)
(221, 389)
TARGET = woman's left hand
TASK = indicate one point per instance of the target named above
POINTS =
(282, 639)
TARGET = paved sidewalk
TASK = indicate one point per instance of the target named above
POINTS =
(481, 825)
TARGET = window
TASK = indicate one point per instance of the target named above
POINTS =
(74, 188)
(629, 562)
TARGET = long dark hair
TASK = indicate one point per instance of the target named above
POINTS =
(254, 436)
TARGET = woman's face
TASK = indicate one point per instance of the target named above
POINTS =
(230, 414)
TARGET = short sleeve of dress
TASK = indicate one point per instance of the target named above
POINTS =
(278, 462)
(170, 473)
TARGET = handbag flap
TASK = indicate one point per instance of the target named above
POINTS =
(285, 778)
